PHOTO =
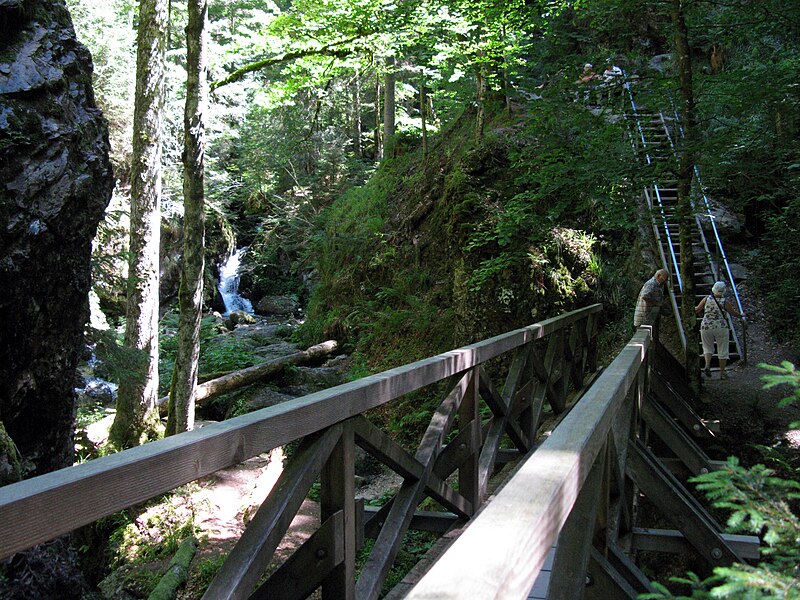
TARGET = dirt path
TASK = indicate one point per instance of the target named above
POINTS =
(749, 414)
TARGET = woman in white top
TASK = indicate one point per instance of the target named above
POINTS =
(714, 328)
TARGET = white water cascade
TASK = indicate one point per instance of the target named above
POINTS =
(229, 284)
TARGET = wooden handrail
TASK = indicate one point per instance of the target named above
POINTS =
(500, 557)
(41, 508)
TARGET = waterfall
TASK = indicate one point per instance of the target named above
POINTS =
(229, 284)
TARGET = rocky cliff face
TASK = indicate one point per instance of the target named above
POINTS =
(55, 182)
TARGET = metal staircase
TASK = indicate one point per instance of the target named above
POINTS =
(655, 136)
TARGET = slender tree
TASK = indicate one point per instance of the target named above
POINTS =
(684, 186)
(480, 101)
(377, 133)
(190, 295)
(137, 416)
(357, 124)
(389, 108)
(423, 109)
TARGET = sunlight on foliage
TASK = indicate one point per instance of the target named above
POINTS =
(785, 374)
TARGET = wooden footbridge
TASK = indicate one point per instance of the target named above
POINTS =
(592, 456)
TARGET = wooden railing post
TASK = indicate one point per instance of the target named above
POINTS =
(591, 348)
(529, 416)
(469, 418)
(338, 494)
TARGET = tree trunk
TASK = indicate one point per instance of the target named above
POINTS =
(684, 187)
(480, 117)
(357, 144)
(378, 137)
(423, 109)
(506, 80)
(389, 109)
(190, 295)
(239, 379)
(137, 417)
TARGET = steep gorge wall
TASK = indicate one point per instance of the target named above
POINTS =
(55, 182)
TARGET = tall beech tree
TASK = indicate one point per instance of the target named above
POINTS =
(190, 295)
(137, 416)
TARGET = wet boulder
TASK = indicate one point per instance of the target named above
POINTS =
(277, 305)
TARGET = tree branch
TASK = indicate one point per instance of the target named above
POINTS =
(335, 49)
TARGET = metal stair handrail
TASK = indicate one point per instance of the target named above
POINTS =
(711, 219)
(697, 185)
(676, 267)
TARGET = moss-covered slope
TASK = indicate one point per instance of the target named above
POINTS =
(477, 238)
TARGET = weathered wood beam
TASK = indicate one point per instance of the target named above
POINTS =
(675, 437)
(499, 408)
(82, 494)
(377, 443)
(605, 582)
(679, 506)
(545, 374)
(568, 575)
(385, 449)
(515, 373)
(238, 576)
(388, 541)
(540, 496)
(488, 455)
(377, 565)
(375, 519)
(673, 541)
(563, 380)
(304, 571)
(454, 453)
(469, 418)
(337, 495)
(423, 520)
(665, 394)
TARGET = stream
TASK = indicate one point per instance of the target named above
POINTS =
(262, 336)
(229, 284)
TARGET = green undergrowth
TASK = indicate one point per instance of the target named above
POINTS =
(477, 238)
(154, 531)
(781, 246)
(414, 546)
(126, 552)
(219, 352)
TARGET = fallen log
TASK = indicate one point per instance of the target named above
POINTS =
(238, 379)
(177, 572)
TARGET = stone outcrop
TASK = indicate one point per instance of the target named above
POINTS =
(55, 182)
